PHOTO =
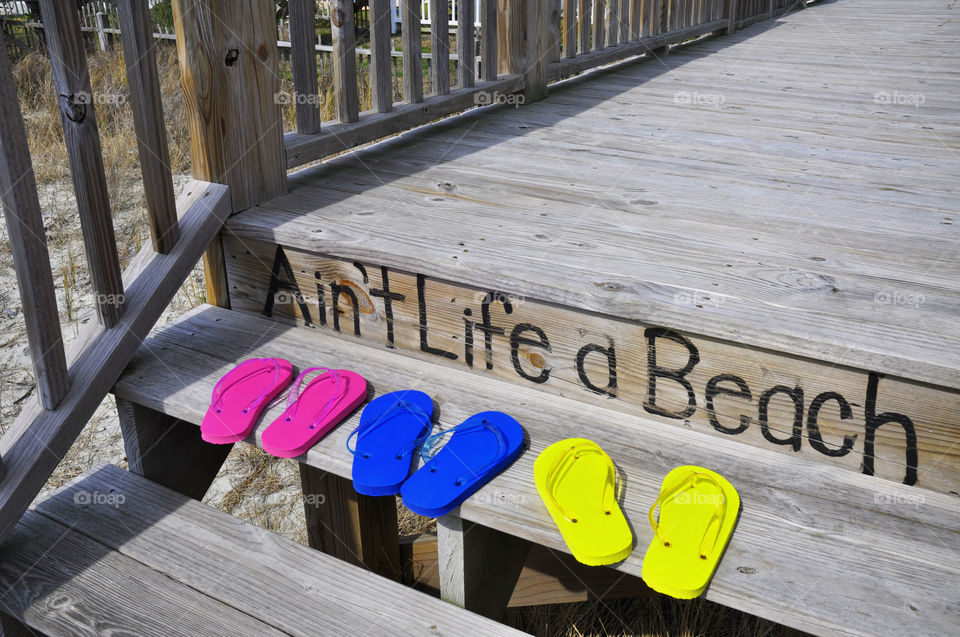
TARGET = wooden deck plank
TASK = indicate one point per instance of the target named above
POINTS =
(58, 581)
(812, 541)
(286, 585)
(760, 151)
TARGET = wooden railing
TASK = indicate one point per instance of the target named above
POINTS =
(71, 384)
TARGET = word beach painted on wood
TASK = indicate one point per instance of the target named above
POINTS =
(859, 419)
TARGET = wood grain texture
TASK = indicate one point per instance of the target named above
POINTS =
(511, 43)
(372, 126)
(288, 586)
(612, 36)
(537, 48)
(303, 63)
(841, 538)
(478, 566)
(489, 39)
(876, 226)
(168, 451)
(381, 60)
(28, 248)
(148, 123)
(584, 12)
(37, 440)
(344, 61)
(440, 46)
(215, 275)
(555, 29)
(228, 57)
(466, 45)
(62, 582)
(569, 28)
(412, 51)
(71, 79)
(355, 528)
(599, 24)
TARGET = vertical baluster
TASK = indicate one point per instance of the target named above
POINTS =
(636, 19)
(466, 43)
(303, 61)
(440, 46)
(624, 20)
(556, 37)
(599, 10)
(613, 22)
(344, 61)
(381, 81)
(488, 40)
(28, 246)
(72, 81)
(412, 57)
(569, 28)
(583, 15)
(147, 105)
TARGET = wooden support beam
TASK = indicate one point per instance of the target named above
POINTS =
(466, 45)
(440, 46)
(38, 440)
(478, 566)
(381, 79)
(228, 69)
(147, 104)
(489, 39)
(548, 576)
(344, 60)
(356, 528)
(303, 63)
(412, 55)
(28, 247)
(169, 451)
(71, 78)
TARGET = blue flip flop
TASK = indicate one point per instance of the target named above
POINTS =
(481, 447)
(392, 428)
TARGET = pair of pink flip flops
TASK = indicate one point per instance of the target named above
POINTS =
(312, 410)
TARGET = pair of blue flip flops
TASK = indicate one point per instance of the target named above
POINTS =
(396, 429)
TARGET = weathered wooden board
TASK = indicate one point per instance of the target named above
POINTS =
(860, 420)
(269, 578)
(813, 541)
(62, 582)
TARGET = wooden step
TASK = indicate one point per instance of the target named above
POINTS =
(666, 241)
(813, 541)
(113, 552)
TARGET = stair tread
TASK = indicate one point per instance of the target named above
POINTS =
(610, 198)
(812, 540)
(245, 579)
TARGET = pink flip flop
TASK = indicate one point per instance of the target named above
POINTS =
(240, 397)
(311, 413)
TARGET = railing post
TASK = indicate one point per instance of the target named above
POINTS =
(524, 43)
(731, 13)
(229, 72)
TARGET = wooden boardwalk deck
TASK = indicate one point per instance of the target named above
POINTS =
(792, 188)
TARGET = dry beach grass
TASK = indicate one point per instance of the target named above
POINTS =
(252, 485)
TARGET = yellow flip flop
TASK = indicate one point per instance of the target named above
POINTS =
(577, 481)
(698, 510)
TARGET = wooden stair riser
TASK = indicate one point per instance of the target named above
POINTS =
(821, 411)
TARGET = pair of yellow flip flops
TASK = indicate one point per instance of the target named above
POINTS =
(698, 509)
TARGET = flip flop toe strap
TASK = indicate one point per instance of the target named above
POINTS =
(405, 408)
(218, 391)
(430, 441)
(293, 398)
(563, 464)
(712, 531)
